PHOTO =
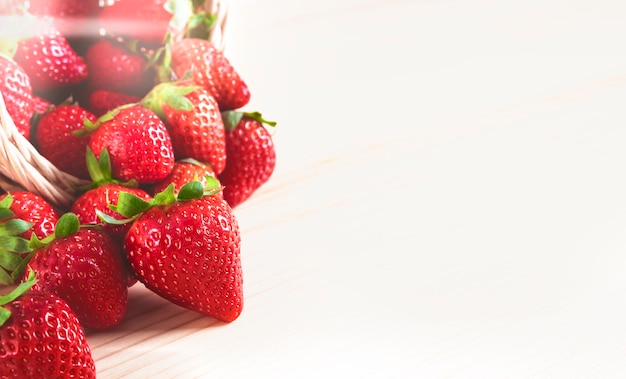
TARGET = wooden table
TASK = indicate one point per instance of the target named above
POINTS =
(449, 199)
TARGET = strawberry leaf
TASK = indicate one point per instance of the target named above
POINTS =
(100, 171)
(19, 270)
(165, 197)
(114, 221)
(175, 97)
(89, 126)
(13, 227)
(14, 244)
(66, 225)
(9, 261)
(5, 277)
(212, 186)
(173, 94)
(97, 168)
(129, 205)
(231, 119)
(5, 213)
(191, 190)
(6, 202)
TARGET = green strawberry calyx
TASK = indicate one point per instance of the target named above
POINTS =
(18, 291)
(232, 118)
(132, 206)
(110, 115)
(173, 94)
(99, 169)
(12, 246)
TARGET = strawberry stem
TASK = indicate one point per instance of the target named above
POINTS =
(232, 118)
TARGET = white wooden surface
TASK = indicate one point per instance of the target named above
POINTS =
(449, 200)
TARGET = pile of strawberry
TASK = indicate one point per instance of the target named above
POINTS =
(150, 114)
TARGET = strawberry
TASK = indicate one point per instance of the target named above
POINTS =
(137, 142)
(85, 267)
(17, 92)
(41, 337)
(56, 138)
(49, 60)
(144, 20)
(103, 191)
(96, 200)
(101, 101)
(186, 248)
(251, 157)
(32, 208)
(209, 68)
(193, 120)
(185, 171)
(114, 66)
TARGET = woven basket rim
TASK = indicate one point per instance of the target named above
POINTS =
(22, 168)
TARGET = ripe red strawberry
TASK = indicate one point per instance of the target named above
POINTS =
(100, 102)
(17, 93)
(250, 153)
(57, 140)
(32, 208)
(49, 60)
(185, 171)
(186, 248)
(144, 20)
(137, 142)
(114, 67)
(41, 337)
(85, 267)
(96, 200)
(209, 68)
(105, 190)
(193, 120)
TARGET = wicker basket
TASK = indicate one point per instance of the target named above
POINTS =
(23, 168)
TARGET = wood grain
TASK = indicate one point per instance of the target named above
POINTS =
(448, 200)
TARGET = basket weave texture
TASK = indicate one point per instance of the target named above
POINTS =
(22, 168)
